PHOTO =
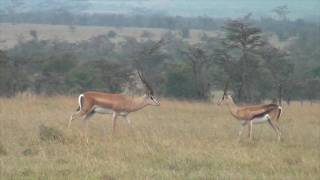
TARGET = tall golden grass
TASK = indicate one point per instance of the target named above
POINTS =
(178, 140)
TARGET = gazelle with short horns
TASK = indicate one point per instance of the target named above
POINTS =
(92, 102)
(249, 115)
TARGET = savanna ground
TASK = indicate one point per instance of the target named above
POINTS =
(21, 32)
(178, 140)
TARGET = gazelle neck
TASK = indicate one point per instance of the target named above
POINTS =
(138, 103)
(233, 108)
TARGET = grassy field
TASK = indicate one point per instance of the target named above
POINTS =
(178, 140)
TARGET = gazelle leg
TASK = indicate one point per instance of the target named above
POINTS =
(71, 119)
(128, 120)
(250, 130)
(241, 130)
(86, 124)
(275, 128)
(279, 131)
(73, 116)
(114, 121)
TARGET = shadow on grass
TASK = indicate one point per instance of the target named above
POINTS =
(3, 151)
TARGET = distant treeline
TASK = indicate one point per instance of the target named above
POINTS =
(255, 68)
(283, 28)
(117, 20)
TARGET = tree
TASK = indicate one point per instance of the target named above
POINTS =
(101, 75)
(112, 34)
(185, 32)
(243, 60)
(5, 74)
(179, 82)
(97, 47)
(51, 79)
(280, 68)
(34, 35)
(148, 58)
(200, 61)
(312, 88)
(282, 12)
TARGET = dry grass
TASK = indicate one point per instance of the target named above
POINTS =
(13, 32)
(178, 140)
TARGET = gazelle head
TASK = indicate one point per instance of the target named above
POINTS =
(225, 99)
(151, 100)
(149, 96)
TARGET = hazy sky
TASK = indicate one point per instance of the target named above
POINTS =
(213, 8)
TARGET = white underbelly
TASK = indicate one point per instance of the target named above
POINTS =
(258, 120)
(102, 110)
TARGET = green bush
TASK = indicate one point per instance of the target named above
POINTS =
(179, 83)
(112, 34)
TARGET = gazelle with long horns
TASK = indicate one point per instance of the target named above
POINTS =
(92, 102)
(249, 115)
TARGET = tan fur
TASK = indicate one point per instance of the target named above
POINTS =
(118, 104)
(249, 113)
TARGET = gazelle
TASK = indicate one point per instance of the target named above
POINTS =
(253, 114)
(92, 102)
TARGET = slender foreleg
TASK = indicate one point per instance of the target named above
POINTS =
(241, 130)
(250, 130)
(128, 120)
(74, 116)
(86, 124)
(275, 128)
(114, 121)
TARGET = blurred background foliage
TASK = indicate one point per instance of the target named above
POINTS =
(242, 53)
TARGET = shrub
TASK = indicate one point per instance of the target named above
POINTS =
(185, 32)
(179, 84)
(30, 152)
(48, 134)
(112, 34)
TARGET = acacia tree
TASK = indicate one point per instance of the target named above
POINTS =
(148, 58)
(277, 62)
(241, 43)
(100, 75)
(5, 74)
(200, 61)
(282, 12)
